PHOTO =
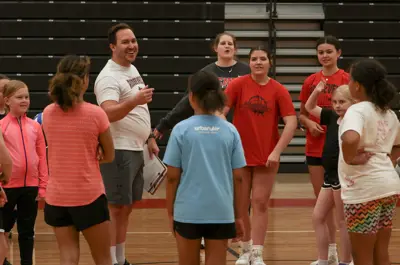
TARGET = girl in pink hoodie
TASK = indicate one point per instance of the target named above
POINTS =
(25, 142)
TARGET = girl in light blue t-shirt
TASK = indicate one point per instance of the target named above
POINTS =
(204, 157)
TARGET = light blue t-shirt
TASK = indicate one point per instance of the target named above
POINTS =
(39, 118)
(207, 149)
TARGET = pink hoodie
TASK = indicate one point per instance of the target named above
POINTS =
(25, 142)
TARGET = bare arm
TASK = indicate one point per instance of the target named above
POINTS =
(314, 128)
(237, 188)
(173, 179)
(118, 110)
(303, 117)
(181, 111)
(287, 133)
(43, 169)
(395, 155)
(107, 144)
(350, 142)
(311, 104)
(5, 160)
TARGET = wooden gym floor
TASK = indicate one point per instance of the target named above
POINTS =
(290, 239)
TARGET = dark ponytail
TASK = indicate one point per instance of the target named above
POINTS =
(384, 93)
(206, 88)
(68, 83)
(65, 89)
(372, 76)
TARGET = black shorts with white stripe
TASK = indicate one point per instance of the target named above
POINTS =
(331, 180)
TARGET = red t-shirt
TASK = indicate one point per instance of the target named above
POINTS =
(315, 145)
(257, 109)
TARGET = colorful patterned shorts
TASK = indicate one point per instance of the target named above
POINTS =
(369, 217)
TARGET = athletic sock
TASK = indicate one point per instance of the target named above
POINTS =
(113, 255)
(120, 253)
(332, 249)
(322, 262)
(246, 246)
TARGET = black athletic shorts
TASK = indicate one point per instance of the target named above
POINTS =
(314, 161)
(81, 217)
(331, 180)
(206, 231)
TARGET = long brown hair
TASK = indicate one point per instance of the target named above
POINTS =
(66, 86)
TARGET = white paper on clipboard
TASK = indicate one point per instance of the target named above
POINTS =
(154, 171)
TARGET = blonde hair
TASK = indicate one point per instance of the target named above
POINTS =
(10, 89)
(343, 90)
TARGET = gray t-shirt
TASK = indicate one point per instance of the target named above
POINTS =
(119, 83)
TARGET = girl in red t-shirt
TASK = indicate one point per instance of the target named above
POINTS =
(259, 101)
(329, 50)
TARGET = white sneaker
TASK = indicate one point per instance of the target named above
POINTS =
(244, 258)
(331, 261)
(257, 257)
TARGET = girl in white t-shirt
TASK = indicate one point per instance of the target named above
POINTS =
(370, 191)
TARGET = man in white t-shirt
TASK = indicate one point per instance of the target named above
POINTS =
(121, 92)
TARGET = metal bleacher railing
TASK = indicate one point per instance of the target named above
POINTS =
(273, 14)
(271, 9)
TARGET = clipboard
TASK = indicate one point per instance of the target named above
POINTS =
(154, 172)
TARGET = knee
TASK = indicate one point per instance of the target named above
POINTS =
(342, 223)
(120, 211)
(115, 210)
(317, 218)
(127, 209)
(70, 258)
(259, 204)
(103, 258)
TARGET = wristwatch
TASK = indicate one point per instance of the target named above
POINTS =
(150, 136)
